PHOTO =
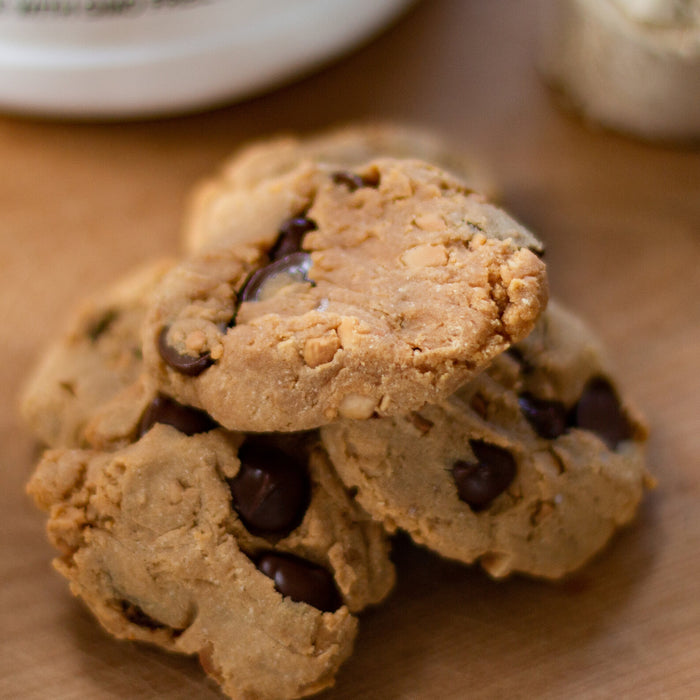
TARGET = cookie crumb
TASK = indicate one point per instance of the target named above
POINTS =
(426, 255)
(356, 406)
(430, 222)
(196, 342)
(319, 351)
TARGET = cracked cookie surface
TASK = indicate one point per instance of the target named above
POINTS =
(221, 204)
(530, 467)
(373, 292)
(244, 550)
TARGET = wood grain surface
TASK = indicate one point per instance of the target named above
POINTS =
(82, 203)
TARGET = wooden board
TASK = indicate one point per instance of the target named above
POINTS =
(82, 203)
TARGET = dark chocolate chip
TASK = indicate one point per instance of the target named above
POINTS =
(100, 325)
(290, 237)
(295, 266)
(526, 367)
(599, 411)
(184, 364)
(478, 484)
(548, 418)
(353, 181)
(270, 493)
(186, 419)
(301, 580)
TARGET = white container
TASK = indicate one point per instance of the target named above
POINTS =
(632, 65)
(129, 58)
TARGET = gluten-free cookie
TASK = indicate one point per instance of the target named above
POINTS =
(245, 550)
(95, 357)
(370, 292)
(530, 467)
(223, 203)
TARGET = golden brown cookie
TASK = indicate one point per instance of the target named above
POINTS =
(220, 201)
(353, 294)
(529, 467)
(244, 550)
(97, 356)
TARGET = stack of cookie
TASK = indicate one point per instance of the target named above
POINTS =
(353, 342)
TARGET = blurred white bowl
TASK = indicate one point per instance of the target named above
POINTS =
(119, 58)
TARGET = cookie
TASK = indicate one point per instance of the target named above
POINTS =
(530, 467)
(219, 203)
(367, 293)
(97, 356)
(245, 550)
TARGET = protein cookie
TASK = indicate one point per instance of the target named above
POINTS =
(244, 550)
(372, 292)
(98, 355)
(220, 205)
(529, 467)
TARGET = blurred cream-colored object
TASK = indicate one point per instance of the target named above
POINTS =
(632, 65)
(116, 58)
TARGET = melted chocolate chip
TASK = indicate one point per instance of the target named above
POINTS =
(186, 419)
(548, 418)
(353, 181)
(184, 364)
(292, 268)
(270, 493)
(301, 580)
(291, 234)
(478, 484)
(599, 411)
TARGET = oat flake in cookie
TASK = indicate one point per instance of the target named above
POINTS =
(375, 291)
(244, 550)
(530, 467)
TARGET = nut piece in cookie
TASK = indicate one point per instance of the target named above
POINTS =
(375, 291)
(97, 356)
(245, 550)
(530, 467)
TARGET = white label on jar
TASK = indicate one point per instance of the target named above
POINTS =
(121, 23)
(90, 8)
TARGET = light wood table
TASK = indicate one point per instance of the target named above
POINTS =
(82, 203)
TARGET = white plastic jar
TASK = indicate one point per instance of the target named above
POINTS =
(632, 65)
(117, 58)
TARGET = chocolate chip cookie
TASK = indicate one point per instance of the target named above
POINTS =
(219, 203)
(368, 292)
(245, 550)
(97, 356)
(529, 467)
